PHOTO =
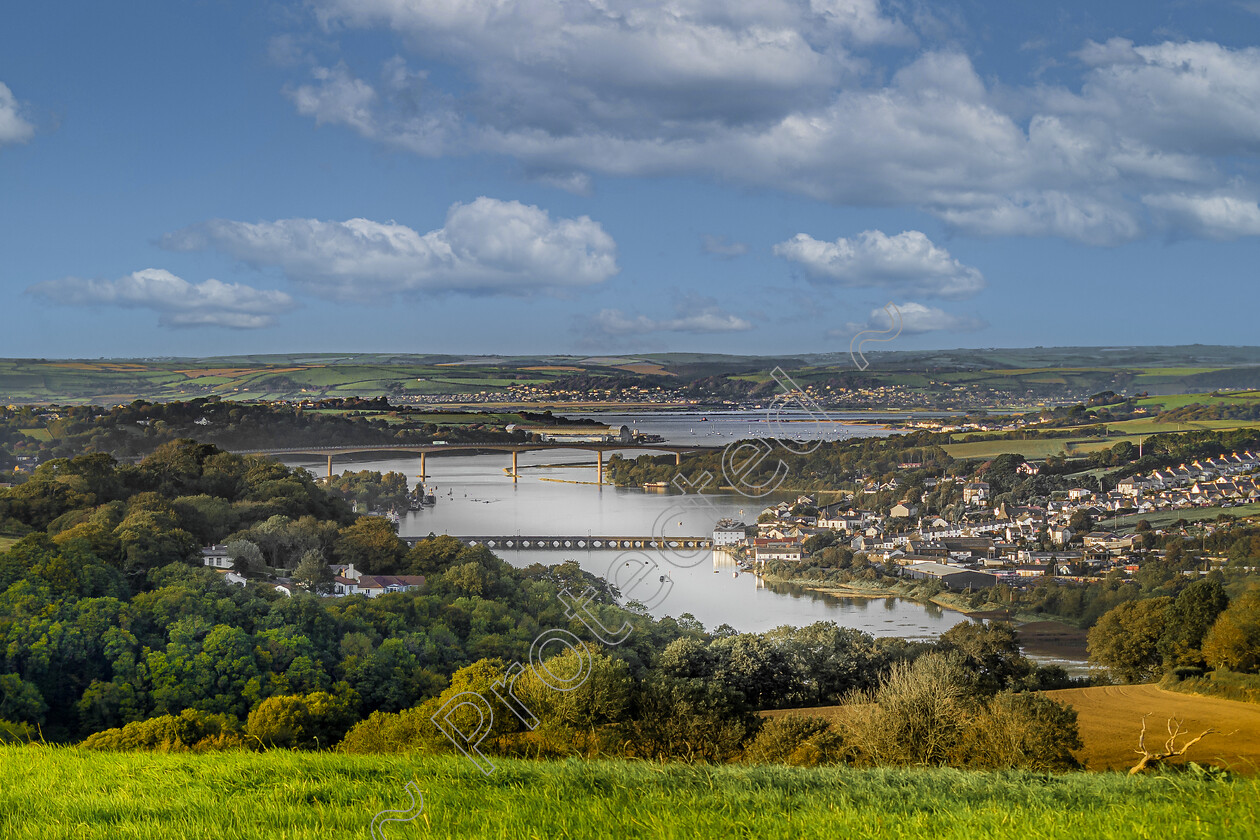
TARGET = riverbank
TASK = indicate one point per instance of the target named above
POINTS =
(1039, 636)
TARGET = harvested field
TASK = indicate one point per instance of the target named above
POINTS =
(1110, 718)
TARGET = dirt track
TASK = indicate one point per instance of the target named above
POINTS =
(1110, 718)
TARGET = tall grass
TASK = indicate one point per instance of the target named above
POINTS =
(48, 792)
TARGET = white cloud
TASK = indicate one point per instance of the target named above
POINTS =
(706, 320)
(788, 94)
(177, 302)
(626, 59)
(486, 246)
(1211, 216)
(914, 318)
(13, 128)
(908, 261)
(720, 247)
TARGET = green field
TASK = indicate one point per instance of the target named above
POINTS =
(1148, 426)
(6, 543)
(1164, 518)
(48, 793)
(1036, 449)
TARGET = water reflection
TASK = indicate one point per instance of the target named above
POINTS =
(556, 495)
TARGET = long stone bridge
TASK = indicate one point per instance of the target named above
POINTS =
(584, 542)
(425, 449)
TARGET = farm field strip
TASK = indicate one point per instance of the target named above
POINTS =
(68, 793)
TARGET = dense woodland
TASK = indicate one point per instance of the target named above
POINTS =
(112, 631)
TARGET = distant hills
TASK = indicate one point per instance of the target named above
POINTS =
(1000, 373)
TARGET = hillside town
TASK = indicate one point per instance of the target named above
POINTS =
(1065, 538)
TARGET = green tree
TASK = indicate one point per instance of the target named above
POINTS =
(1234, 640)
(151, 538)
(20, 700)
(372, 545)
(991, 652)
(313, 573)
(247, 558)
(1126, 639)
(1190, 618)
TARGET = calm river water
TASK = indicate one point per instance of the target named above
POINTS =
(556, 494)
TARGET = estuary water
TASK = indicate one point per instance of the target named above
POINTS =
(556, 494)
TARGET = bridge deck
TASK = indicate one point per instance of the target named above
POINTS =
(585, 542)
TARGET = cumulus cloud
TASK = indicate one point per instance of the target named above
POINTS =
(627, 59)
(177, 302)
(720, 247)
(485, 247)
(709, 319)
(13, 128)
(915, 318)
(1212, 216)
(908, 261)
(793, 95)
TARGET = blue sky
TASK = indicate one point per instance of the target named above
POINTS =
(591, 176)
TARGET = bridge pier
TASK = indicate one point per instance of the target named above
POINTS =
(423, 473)
(677, 459)
(514, 453)
(599, 467)
(330, 469)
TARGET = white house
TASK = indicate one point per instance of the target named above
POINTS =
(216, 557)
(728, 532)
(374, 585)
(765, 549)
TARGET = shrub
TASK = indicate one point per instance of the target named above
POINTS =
(1220, 683)
(915, 715)
(395, 732)
(796, 740)
(307, 721)
(189, 731)
(17, 733)
(1025, 730)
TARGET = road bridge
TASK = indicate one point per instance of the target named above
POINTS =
(426, 449)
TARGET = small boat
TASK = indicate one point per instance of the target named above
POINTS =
(734, 574)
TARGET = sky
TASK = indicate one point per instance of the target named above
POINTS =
(214, 177)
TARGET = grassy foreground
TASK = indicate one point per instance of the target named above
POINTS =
(63, 792)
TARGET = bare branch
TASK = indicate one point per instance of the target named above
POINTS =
(1171, 750)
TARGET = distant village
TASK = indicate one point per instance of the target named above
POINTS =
(995, 544)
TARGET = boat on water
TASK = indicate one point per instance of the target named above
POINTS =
(655, 485)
